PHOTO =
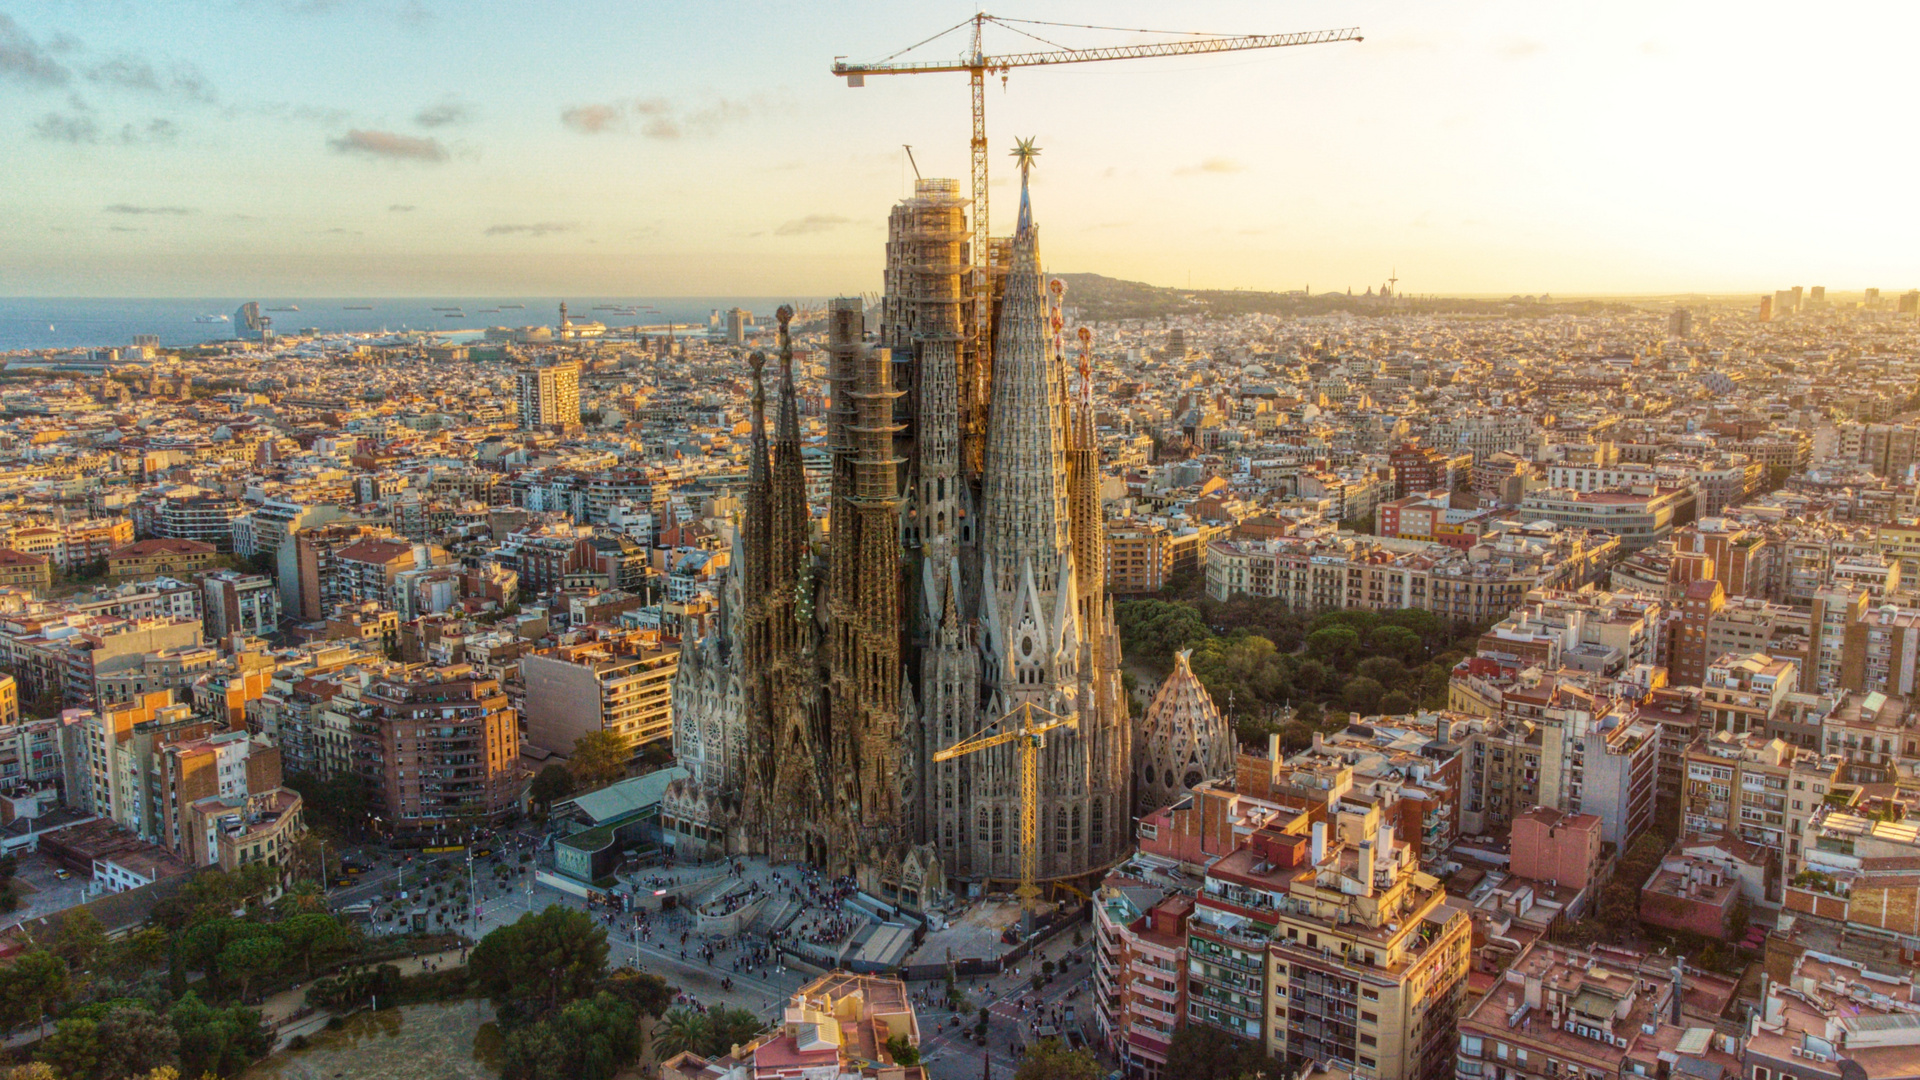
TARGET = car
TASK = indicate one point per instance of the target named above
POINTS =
(62, 873)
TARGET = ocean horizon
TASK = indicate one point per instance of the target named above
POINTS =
(33, 323)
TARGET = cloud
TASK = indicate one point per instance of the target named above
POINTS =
(593, 119)
(345, 232)
(448, 111)
(55, 127)
(659, 118)
(387, 144)
(812, 223)
(131, 208)
(64, 43)
(401, 208)
(1521, 48)
(157, 130)
(286, 110)
(541, 228)
(129, 72)
(23, 60)
(125, 228)
(1212, 165)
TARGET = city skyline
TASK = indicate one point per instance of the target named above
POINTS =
(340, 148)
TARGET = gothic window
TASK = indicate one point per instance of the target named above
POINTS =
(1060, 829)
(1098, 833)
(1076, 825)
(999, 831)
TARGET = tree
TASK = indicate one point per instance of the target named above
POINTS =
(79, 939)
(133, 1040)
(1198, 1052)
(1362, 694)
(305, 897)
(591, 1039)
(542, 961)
(73, 1050)
(1395, 703)
(1738, 919)
(650, 994)
(552, 784)
(217, 1041)
(902, 1052)
(251, 957)
(1048, 1060)
(1384, 670)
(31, 988)
(728, 1028)
(1334, 646)
(599, 758)
(680, 1029)
(309, 934)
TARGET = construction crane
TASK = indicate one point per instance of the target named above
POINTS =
(976, 63)
(1029, 737)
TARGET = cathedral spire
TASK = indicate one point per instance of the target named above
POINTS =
(1025, 153)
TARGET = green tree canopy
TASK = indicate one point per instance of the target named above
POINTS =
(550, 785)
(1199, 1052)
(1362, 694)
(132, 1040)
(1048, 1060)
(541, 961)
(599, 758)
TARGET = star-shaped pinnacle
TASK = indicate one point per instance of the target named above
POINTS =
(1025, 153)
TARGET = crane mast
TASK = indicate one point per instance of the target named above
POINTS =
(1028, 738)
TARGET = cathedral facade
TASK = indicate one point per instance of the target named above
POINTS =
(961, 577)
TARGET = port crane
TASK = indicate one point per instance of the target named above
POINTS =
(1029, 737)
(977, 63)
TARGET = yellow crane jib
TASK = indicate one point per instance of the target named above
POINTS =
(1029, 738)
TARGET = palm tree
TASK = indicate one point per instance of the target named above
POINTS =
(680, 1029)
(303, 897)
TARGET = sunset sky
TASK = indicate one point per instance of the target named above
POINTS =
(341, 147)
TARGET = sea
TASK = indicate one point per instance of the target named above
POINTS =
(74, 323)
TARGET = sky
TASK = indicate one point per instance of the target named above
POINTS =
(645, 148)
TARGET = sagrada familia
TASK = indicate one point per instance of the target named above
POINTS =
(961, 576)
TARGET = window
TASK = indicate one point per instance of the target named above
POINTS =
(1369, 1018)
(1367, 1040)
(1370, 995)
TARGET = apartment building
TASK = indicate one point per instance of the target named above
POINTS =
(1560, 1014)
(1140, 974)
(1873, 733)
(205, 519)
(1881, 651)
(20, 570)
(1856, 870)
(1594, 755)
(1640, 515)
(311, 581)
(1478, 585)
(441, 746)
(621, 685)
(1745, 694)
(1741, 785)
(236, 604)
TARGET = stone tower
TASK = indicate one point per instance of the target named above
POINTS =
(1184, 739)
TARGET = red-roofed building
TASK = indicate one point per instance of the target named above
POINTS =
(151, 558)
